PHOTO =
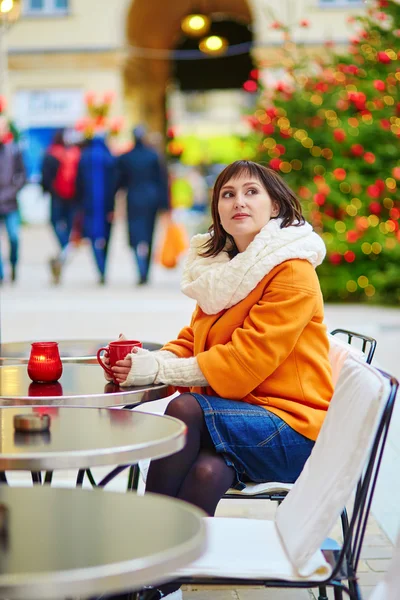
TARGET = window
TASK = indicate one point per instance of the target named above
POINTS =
(46, 7)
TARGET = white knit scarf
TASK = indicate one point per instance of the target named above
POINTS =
(218, 283)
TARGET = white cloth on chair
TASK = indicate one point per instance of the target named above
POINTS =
(337, 460)
(289, 547)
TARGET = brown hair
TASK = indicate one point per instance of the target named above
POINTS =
(280, 193)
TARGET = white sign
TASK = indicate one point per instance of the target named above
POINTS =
(48, 107)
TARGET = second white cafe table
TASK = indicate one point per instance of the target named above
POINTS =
(81, 438)
(58, 543)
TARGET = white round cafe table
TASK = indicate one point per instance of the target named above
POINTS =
(71, 351)
(80, 438)
(63, 543)
(79, 385)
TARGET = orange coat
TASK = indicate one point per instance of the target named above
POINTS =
(270, 349)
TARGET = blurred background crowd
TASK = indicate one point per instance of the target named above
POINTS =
(128, 111)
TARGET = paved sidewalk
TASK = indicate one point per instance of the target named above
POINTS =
(35, 309)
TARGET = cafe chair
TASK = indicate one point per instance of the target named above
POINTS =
(292, 550)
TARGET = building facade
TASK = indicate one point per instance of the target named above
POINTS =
(61, 49)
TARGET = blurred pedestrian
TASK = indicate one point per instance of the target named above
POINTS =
(142, 174)
(12, 179)
(59, 173)
(96, 185)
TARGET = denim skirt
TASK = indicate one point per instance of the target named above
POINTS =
(258, 444)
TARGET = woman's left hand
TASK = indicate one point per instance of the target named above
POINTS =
(121, 369)
(138, 368)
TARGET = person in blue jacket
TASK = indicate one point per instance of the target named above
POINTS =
(96, 182)
(142, 173)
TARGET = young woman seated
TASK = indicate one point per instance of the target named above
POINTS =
(255, 355)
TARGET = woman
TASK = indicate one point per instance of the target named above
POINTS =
(256, 353)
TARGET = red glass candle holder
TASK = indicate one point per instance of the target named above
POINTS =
(44, 362)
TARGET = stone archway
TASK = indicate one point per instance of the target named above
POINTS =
(155, 25)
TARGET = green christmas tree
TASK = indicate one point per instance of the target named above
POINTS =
(332, 129)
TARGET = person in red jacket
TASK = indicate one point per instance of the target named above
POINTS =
(59, 174)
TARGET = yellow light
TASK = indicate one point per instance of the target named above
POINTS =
(307, 143)
(300, 134)
(327, 153)
(328, 237)
(389, 100)
(195, 25)
(351, 286)
(373, 220)
(376, 248)
(366, 248)
(369, 290)
(356, 202)
(351, 210)
(316, 151)
(269, 143)
(345, 187)
(213, 44)
(283, 123)
(340, 227)
(6, 6)
(390, 183)
(296, 164)
(285, 167)
(362, 281)
(388, 203)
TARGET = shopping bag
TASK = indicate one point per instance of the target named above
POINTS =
(174, 244)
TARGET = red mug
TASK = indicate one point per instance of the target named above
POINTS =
(116, 351)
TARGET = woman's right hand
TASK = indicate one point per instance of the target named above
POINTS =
(106, 360)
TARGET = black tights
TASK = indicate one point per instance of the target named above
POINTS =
(197, 473)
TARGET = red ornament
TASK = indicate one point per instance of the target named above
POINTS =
(335, 258)
(274, 163)
(276, 25)
(369, 158)
(339, 174)
(357, 150)
(284, 133)
(384, 58)
(385, 123)
(383, 3)
(373, 191)
(305, 193)
(255, 74)
(349, 256)
(396, 172)
(380, 184)
(44, 362)
(379, 85)
(339, 135)
(375, 208)
(281, 149)
(319, 198)
(3, 104)
(268, 129)
(352, 236)
(250, 86)
(272, 112)
(304, 23)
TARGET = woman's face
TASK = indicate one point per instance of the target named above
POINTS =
(244, 207)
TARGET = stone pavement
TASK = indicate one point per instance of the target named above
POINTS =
(35, 309)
